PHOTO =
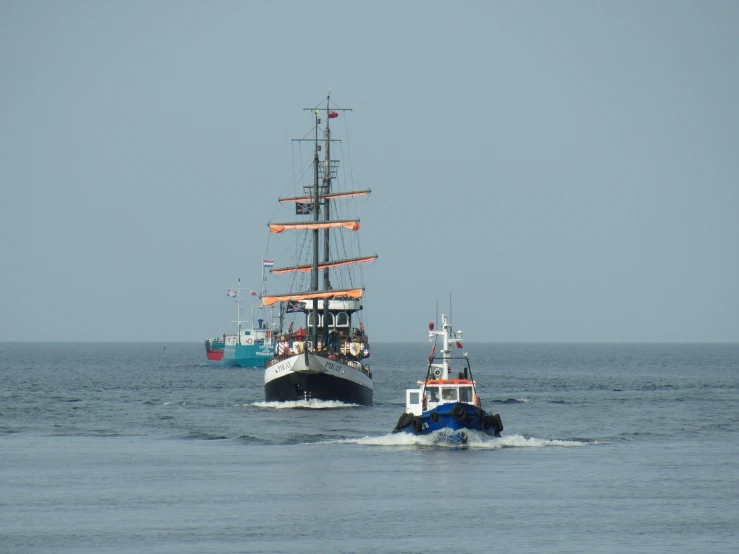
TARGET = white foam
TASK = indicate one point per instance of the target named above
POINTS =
(312, 404)
(475, 439)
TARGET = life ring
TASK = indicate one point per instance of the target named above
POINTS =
(458, 412)
(417, 424)
(249, 341)
(477, 400)
(437, 373)
(434, 416)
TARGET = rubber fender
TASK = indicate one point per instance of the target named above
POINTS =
(433, 416)
(404, 421)
(458, 412)
(417, 424)
(488, 422)
(479, 413)
(498, 423)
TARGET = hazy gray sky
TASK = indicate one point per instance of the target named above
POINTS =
(569, 171)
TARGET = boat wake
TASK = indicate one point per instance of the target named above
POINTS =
(312, 404)
(466, 439)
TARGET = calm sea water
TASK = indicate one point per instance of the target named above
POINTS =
(134, 448)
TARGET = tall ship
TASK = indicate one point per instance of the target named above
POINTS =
(321, 346)
(251, 345)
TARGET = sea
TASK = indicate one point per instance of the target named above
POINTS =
(144, 448)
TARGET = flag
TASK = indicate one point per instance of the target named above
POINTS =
(253, 293)
(267, 263)
(303, 208)
(332, 115)
(459, 345)
(294, 306)
(231, 293)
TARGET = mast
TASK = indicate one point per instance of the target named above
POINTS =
(316, 215)
(238, 310)
(318, 198)
(326, 217)
(445, 351)
(446, 334)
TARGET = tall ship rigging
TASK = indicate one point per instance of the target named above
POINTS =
(321, 345)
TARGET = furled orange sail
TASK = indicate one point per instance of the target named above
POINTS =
(319, 294)
(331, 196)
(351, 224)
(326, 265)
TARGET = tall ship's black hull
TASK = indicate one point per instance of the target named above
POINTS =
(314, 377)
(306, 386)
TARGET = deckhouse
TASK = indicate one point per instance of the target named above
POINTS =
(436, 392)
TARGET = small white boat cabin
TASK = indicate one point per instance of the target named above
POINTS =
(437, 392)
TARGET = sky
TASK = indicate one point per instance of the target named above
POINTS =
(565, 171)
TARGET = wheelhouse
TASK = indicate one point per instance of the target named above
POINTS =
(437, 392)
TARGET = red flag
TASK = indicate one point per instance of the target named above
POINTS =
(459, 345)
(255, 294)
(332, 115)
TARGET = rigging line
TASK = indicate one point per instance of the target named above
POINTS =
(297, 176)
(292, 152)
(349, 151)
(305, 168)
(343, 168)
(361, 269)
(350, 179)
(319, 106)
(428, 370)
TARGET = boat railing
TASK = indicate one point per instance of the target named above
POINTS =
(324, 353)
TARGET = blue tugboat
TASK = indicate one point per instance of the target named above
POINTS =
(447, 398)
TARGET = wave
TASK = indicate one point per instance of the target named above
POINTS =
(312, 404)
(253, 439)
(509, 401)
(202, 435)
(474, 440)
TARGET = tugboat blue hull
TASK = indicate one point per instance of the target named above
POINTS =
(452, 417)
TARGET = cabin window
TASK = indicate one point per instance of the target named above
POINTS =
(413, 398)
(312, 318)
(448, 394)
(432, 393)
(329, 320)
(342, 319)
(465, 394)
